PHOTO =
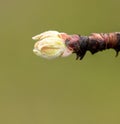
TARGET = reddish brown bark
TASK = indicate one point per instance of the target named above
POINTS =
(94, 43)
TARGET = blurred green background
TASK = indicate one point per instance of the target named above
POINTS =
(60, 91)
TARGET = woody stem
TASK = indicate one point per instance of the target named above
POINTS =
(94, 43)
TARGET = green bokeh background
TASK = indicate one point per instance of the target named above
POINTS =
(60, 91)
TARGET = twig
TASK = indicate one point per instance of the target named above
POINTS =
(52, 44)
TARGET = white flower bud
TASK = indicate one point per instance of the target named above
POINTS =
(50, 45)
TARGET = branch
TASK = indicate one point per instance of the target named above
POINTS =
(52, 44)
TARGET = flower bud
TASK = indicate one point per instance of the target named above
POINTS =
(51, 44)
